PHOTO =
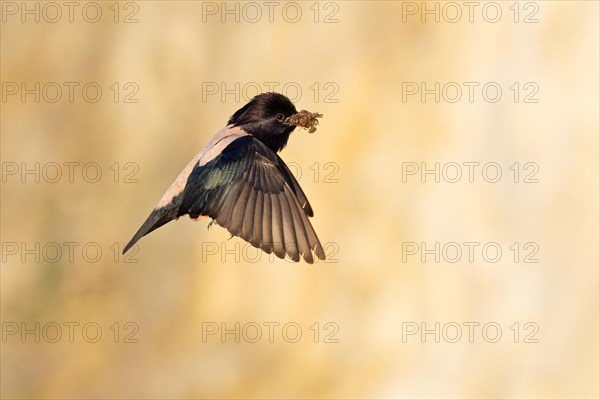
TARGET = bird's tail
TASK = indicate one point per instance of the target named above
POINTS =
(156, 219)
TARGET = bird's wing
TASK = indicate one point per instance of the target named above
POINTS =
(248, 190)
(168, 208)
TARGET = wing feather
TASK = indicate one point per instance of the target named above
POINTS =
(267, 224)
(247, 225)
(237, 216)
(256, 238)
(291, 244)
(301, 237)
(277, 226)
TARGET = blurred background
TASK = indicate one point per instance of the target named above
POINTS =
(104, 103)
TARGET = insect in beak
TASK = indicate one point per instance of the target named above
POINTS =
(305, 119)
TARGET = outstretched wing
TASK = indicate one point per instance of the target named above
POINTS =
(249, 190)
(168, 208)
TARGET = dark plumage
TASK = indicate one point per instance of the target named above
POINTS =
(240, 182)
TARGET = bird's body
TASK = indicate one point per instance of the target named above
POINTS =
(240, 182)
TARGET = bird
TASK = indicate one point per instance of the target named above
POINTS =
(241, 183)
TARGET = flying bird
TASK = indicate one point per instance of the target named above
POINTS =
(240, 182)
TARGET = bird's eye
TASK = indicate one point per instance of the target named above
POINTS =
(280, 117)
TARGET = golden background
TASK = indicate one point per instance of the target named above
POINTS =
(370, 292)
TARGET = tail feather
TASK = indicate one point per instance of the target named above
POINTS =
(156, 219)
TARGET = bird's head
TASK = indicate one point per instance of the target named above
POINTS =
(271, 118)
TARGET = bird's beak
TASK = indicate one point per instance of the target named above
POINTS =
(304, 119)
